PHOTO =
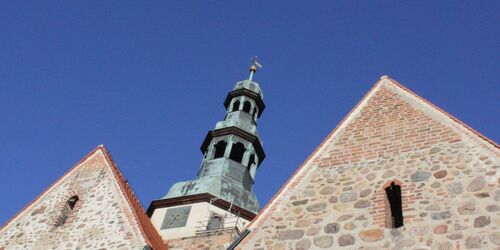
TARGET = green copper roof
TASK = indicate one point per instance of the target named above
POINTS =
(232, 152)
(250, 85)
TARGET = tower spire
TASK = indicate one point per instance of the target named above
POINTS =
(221, 197)
(253, 67)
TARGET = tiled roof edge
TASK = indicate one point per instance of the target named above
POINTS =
(149, 232)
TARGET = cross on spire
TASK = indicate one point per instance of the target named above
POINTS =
(253, 66)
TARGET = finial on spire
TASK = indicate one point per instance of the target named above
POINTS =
(253, 67)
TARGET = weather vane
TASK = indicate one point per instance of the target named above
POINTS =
(253, 67)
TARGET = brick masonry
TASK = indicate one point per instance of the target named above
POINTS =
(449, 175)
(102, 218)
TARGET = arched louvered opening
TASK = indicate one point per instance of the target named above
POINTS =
(251, 161)
(247, 106)
(236, 106)
(395, 214)
(220, 149)
(215, 222)
(237, 152)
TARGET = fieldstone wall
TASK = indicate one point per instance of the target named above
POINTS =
(220, 240)
(449, 177)
(101, 218)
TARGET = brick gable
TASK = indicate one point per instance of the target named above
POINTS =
(337, 198)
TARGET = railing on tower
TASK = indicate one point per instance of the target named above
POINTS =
(229, 222)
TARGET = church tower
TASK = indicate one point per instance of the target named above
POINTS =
(211, 210)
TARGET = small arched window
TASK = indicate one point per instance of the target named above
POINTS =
(72, 201)
(237, 152)
(236, 105)
(215, 222)
(247, 106)
(220, 149)
(254, 112)
(394, 210)
(66, 209)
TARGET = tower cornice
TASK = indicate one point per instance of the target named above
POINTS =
(204, 197)
(245, 92)
(238, 132)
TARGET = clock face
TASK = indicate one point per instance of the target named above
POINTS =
(176, 217)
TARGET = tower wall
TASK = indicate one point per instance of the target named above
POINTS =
(219, 240)
(196, 222)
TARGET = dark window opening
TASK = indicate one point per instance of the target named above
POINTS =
(215, 222)
(251, 160)
(220, 148)
(67, 208)
(254, 111)
(236, 105)
(394, 197)
(72, 202)
(237, 152)
(247, 106)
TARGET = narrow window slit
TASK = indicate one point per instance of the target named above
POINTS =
(66, 210)
(395, 214)
(72, 201)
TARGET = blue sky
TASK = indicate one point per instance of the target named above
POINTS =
(148, 79)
